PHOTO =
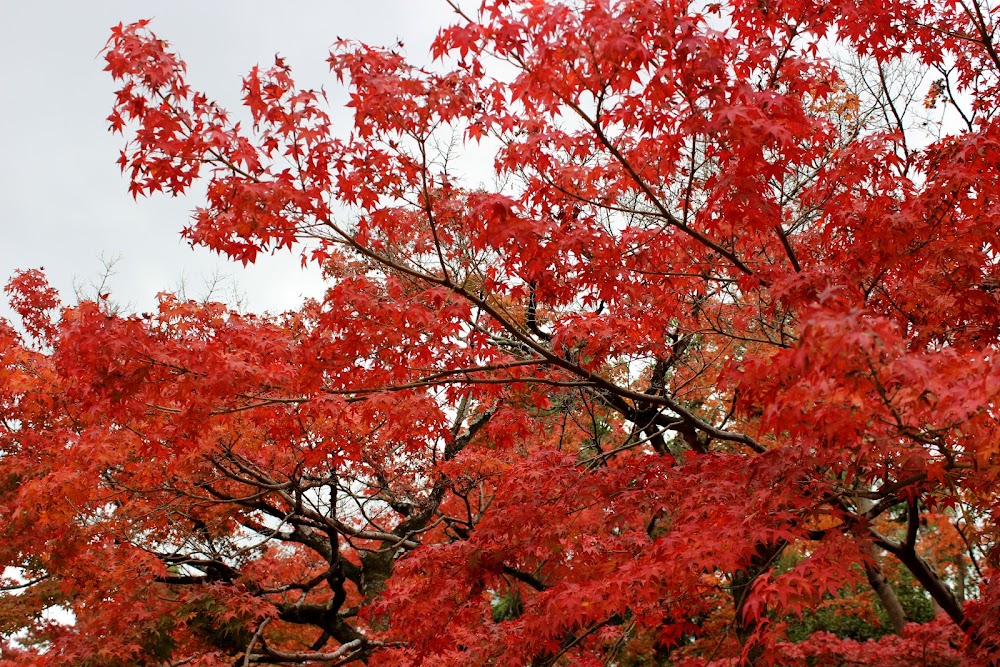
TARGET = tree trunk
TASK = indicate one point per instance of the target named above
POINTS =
(879, 583)
(884, 590)
(743, 580)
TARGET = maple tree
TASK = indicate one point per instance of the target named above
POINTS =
(711, 363)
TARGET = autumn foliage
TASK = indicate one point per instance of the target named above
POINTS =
(703, 372)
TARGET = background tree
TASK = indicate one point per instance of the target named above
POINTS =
(714, 357)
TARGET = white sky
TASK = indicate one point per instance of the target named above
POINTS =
(63, 201)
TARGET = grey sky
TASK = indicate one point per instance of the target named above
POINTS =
(63, 202)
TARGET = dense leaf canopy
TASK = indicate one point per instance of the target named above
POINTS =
(703, 371)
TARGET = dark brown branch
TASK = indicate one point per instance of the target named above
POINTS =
(524, 577)
(921, 569)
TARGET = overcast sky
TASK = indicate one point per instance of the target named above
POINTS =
(63, 202)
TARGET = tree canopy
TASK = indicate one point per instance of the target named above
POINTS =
(704, 372)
